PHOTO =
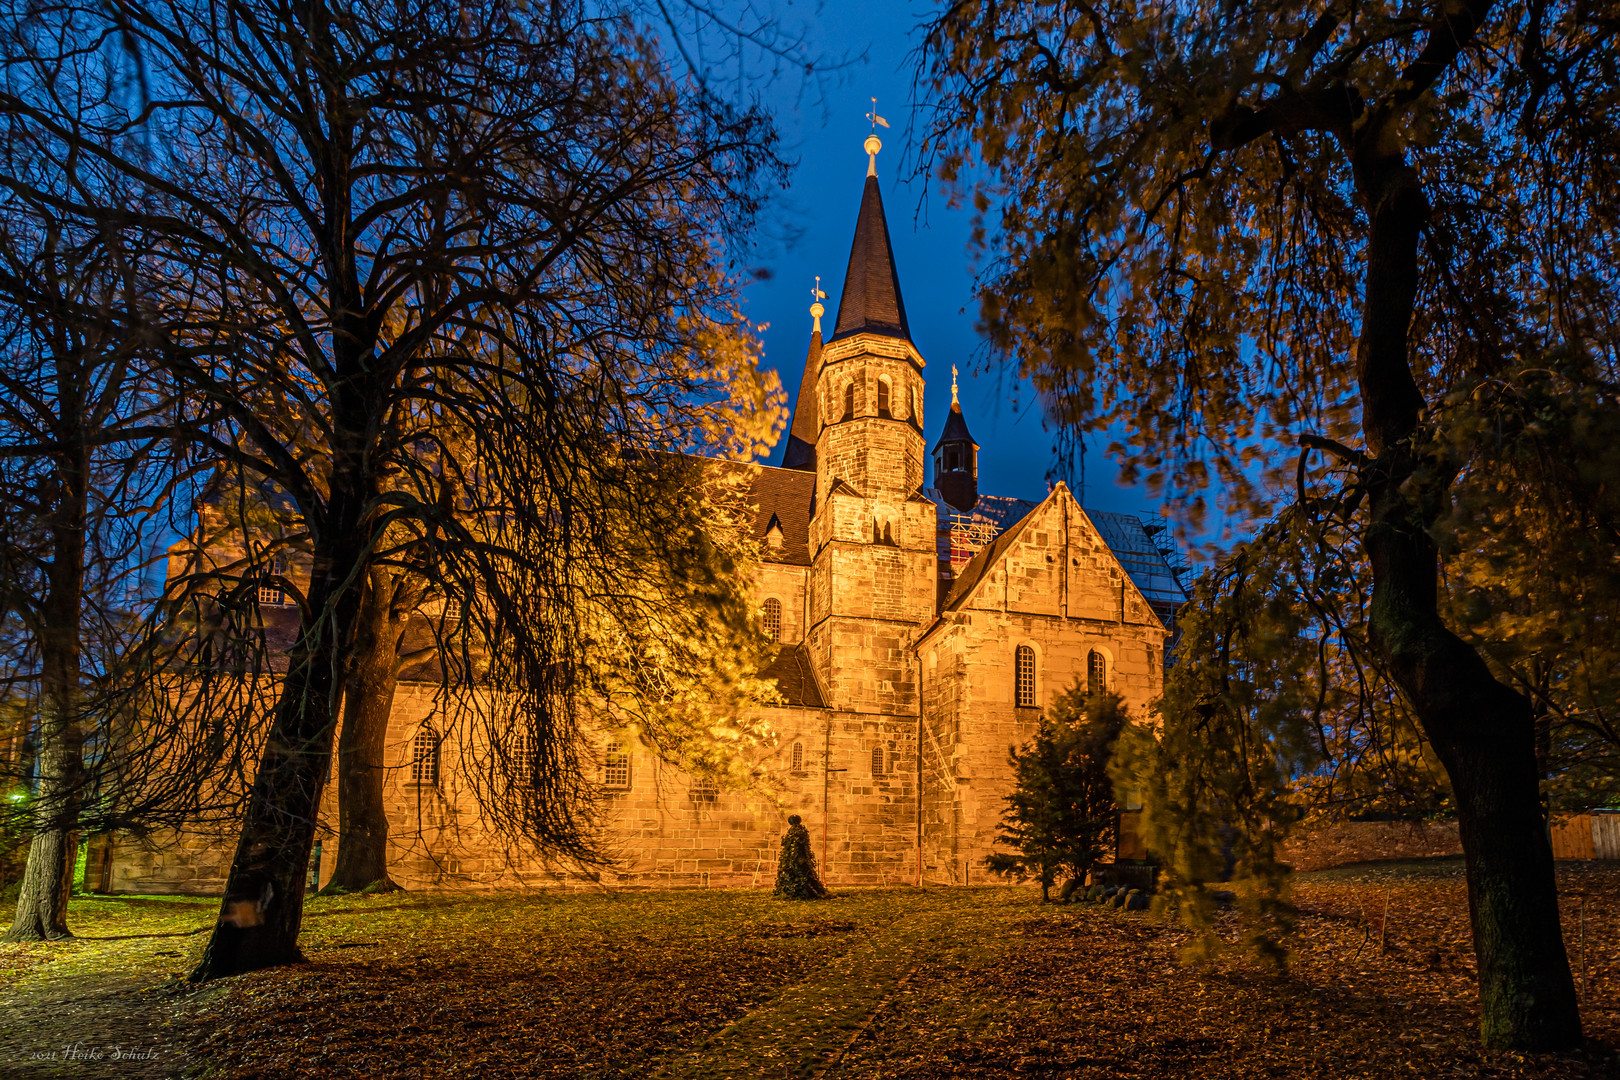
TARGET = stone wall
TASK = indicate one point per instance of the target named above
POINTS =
(855, 786)
(1053, 591)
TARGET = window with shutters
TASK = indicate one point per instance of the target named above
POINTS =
(773, 619)
(1096, 672)
(425, 757)
(1025, 676)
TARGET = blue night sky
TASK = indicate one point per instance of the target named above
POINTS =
(806, 230)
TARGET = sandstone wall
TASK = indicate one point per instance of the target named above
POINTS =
(1054, 591)
(663, 829)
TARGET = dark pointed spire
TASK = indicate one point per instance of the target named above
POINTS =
(871, 300)
(956, 458)
(801, 444)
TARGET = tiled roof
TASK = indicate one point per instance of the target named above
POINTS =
(786, 495)
(794, 678)
(1128, 539)
(870, 302)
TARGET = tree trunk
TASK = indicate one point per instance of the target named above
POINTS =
(48, 878)
(1483, 731)
(362, 860)
(262, 912)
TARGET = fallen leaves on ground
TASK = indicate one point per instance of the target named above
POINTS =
(902, 983)
(1092, 992)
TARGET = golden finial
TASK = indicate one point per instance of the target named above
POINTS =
(954, 402)
(816, 310)
(873, 143)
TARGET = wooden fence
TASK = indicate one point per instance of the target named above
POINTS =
(1587, 836)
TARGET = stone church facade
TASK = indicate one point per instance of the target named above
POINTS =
(922, 628)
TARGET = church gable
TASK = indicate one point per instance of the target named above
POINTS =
(1053, 562)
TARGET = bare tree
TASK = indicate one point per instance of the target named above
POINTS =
(392, 219)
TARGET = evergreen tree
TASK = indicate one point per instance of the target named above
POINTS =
(1062, 817)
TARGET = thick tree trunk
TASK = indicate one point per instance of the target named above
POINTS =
(48, 878)
(262, 912)
(1483, 731)
(362, 860)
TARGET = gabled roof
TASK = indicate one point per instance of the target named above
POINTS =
(800, 452)
(870, 302)
(1151, 576)
(979, 566)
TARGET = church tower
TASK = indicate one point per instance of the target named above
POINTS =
(872, 531)
(956, 459)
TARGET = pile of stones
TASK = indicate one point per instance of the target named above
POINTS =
(1115, 896)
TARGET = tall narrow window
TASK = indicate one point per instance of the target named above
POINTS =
(885, 392)
(798, 757)
(616, 767)
(911, 402)
(1025, 676)
(452, 612)
(1096, 672)
(425, 756)
(849, 401)
(877, 761)
(773, 619)
(525, 759)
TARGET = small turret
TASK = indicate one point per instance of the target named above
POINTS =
(956, 458)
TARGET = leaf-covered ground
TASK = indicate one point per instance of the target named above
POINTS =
(874, 983)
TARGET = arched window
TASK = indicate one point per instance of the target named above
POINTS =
(1025, 676)
(615, 767)
(425, 757)
(772, 621)
(911, 402)
(877, 761)
(1096, 672)
(798, 757)
(885, 392)
(849, 401)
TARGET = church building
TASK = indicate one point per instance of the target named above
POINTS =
(923, 626)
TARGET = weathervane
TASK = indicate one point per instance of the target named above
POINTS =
(954, 401)
(873, 143)
(816, 310)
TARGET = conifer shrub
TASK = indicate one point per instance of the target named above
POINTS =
(1062, 817)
